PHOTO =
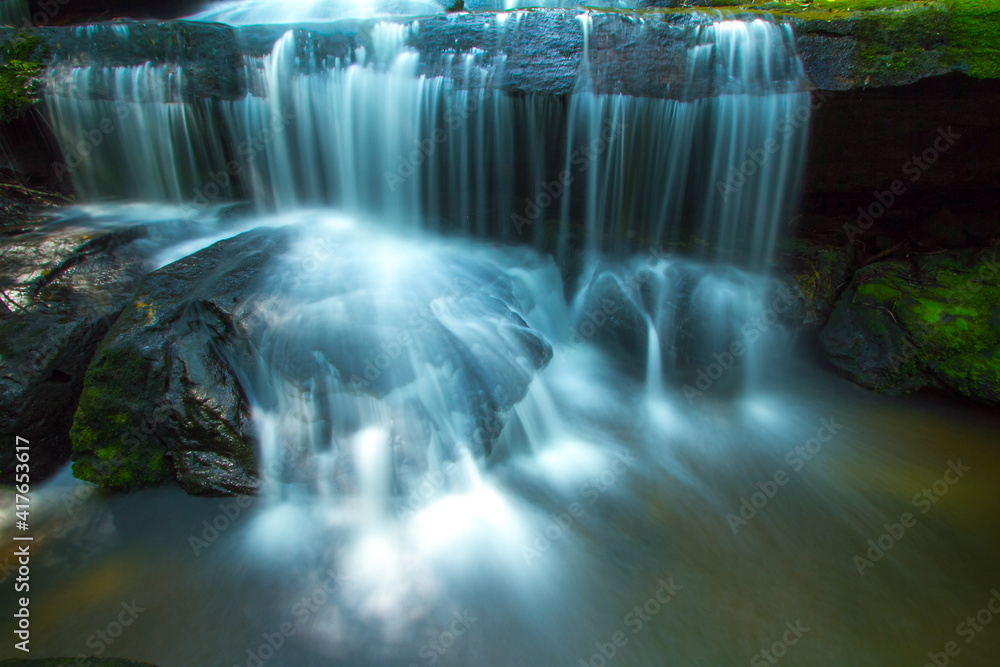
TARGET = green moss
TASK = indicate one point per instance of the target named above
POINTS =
(20, 66)
(973, 375)
(976, 28)
(897, 36)
(879, 291)
(109, 445)
(938, 325)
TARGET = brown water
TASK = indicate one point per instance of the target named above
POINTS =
(663, 517)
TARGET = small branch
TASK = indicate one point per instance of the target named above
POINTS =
(887, 251)
(35, 193)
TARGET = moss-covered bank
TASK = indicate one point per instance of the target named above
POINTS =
(899, 34)
(935, 322)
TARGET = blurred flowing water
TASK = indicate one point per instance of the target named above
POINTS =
(487, 447)
(371, 135)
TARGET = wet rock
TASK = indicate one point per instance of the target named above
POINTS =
(935, 323)
(844, 50)
(614, 318)
(815, 273)
(441, 348)
(635, 53)
(168, 394)
(703, 316)
(60, 291)
(160, 400)
(210, 53)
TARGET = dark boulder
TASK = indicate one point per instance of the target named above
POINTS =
(160, 399)
(60, 291)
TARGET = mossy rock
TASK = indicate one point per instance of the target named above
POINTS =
(20, 69)
(815, 273)
(889, 42)
(900, 327)
(976, 36)
(63, 290)
(160, 400)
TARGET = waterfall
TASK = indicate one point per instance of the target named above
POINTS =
(712, 173)
(374, 137)
(276, 12)
(405, 359)
(15, 13)
(128, 133)
(718, 171)
(473, 301)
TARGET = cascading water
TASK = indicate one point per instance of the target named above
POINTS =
(391, 368)
(511, 360)
(275, 12)
(669, 171)
(127, 133)
(367, 133)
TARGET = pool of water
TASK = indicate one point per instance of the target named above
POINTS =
(626, 543)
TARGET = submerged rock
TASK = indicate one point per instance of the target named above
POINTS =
(899, 328)
(61, 291)
(711, 323)
(244, 322)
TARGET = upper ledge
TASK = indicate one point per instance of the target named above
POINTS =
(844, 44)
